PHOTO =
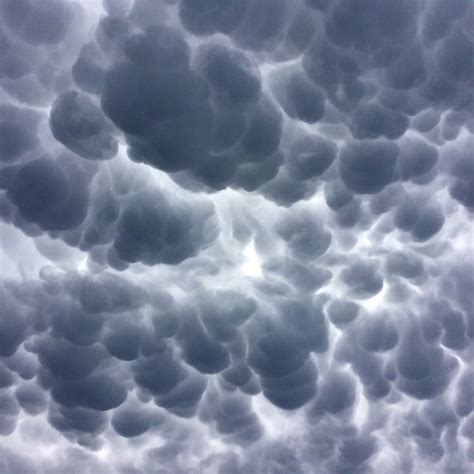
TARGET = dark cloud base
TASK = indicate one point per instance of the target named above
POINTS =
(236, 236)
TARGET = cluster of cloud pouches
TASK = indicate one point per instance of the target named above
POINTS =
(237, 236)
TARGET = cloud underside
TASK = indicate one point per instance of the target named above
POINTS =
(236, 236)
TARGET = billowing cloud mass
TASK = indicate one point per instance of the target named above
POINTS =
(236, 236)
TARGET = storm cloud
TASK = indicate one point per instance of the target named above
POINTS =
(236, 236)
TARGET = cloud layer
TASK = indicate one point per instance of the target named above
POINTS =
(236, 236)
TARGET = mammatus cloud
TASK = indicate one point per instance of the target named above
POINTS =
(236, 236)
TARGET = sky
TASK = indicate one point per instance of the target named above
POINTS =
(236, 236)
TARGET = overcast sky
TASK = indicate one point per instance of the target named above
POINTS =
(236, 237)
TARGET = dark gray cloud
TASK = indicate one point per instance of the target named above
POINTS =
(154, 230)
(362, 278)
(37, 23)
(299, 98)
(205, 18)
(366, 167)
(230, 74)
(230, 414)
(311, 156)
(236, 236)
(17, 132)
(131, 422)
(79, 125)
(50, 193)
(304, 236)
(342, 311)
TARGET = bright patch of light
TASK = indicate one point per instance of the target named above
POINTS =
(251, 266)
(82, 267)
(374, 303)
